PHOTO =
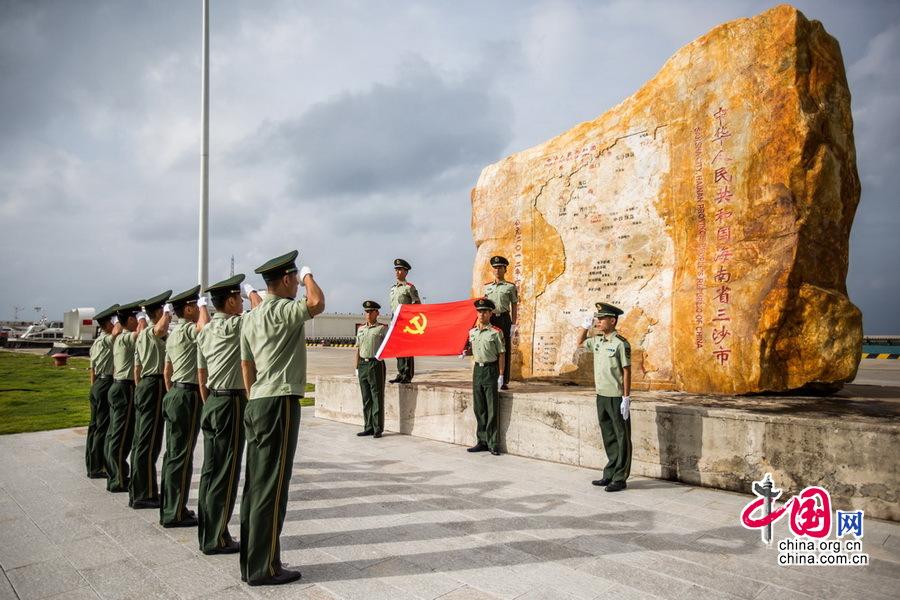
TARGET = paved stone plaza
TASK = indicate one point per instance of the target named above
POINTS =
(403, 517)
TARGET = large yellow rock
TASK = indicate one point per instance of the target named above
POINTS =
(714, 206)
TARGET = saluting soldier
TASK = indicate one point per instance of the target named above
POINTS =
(486, 343)
(370, 371)
(149, 361)
(222, 418)
(403, 292)
(612, 381)
(101, 373)
(505, 297)
(181, 410)
(120, 432)
(273, 364)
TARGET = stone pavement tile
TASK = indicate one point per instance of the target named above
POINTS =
(676, 547)
(65, 528)
(468, 593)
(6, 589)
(624, 592)
(125, 580)
(365, 589)
(413, 579)
(82, 593)
(234, 592)
(192, 578)
(647, 582)
(10, 509)
(547, 593)
(159, 551)
(95, 551)
(565, 579)
(773, 591)
(805, 582)
(40, 580)
(23, 543)
(347, 548)
(499, 581)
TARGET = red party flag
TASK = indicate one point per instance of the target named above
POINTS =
(428, 330)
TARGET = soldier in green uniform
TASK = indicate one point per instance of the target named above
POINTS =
(612, 381)
(505, 297)
(273, 364)
(403, 292)
(149, 361)
(486, 344)
(121, 400)
(370, 371)
(222, 418)
(101, 373)
(181, 410)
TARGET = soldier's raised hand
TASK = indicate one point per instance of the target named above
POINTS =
(303, 273)
(588, 322)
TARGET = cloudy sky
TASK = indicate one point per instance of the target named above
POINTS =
(352, 130)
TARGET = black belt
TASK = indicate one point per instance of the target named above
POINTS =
(186, 386)
(127, 381)
(151, 376)
(486, 364)
(367, 359)
(236, 392)
(104, 377)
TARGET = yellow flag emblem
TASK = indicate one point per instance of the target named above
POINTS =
(418, 323)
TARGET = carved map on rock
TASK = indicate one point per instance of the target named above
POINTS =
(714, 206)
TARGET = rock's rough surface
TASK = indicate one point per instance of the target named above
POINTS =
(714, 206)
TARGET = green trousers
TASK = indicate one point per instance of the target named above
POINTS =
(504, 322)
(148, 430)
(119, 435)
(222, 422)
(616, 433)
(406, 368)
(94, 446)
(371, 384)
(181, 413)
(272, 425)
(486, 402)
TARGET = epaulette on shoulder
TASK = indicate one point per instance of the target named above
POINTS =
(495, 328)
(621, 337)
(409, 283)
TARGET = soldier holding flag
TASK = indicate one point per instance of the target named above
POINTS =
(403, 292)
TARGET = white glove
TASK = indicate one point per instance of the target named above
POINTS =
(303, 273)
(142, 315)
(500, 381)
(588, 322)
(462, 354)
(114, 320)
(168, 309)
(512, 330)
(624, 409)
(247, 289)
(202, 300)
(357, 373)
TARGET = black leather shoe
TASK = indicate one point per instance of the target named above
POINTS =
(602, 482)
(495, 452)
(479, 447)
(280, 578)
(395, 380)
(232, 547)
(504, 387)
(378, 435)
(188, 521)
(616, 486)
(139, 504)
(364, 433)
(98, 475)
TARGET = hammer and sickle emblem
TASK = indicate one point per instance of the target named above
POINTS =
(419, 323)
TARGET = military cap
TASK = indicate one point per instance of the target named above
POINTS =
(371, 305)
(157, 301)
(484, 304)
(278, 266)
(107, 313)
(607, 310)
(131, 308)
(185, 297)
(399, 262)
(499, 261)
(226, 287)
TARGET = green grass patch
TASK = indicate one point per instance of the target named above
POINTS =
(35, 395)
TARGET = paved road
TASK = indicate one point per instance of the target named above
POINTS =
(404, 517)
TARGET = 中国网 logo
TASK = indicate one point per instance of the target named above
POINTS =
(810, 521)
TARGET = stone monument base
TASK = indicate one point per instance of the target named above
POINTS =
(846, 443)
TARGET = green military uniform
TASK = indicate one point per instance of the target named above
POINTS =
(504, 295)
(150, 355)
(371, 372)
(222, 422)
(487, 347)
(612, 353)
(120, 432)
(102, 365)
(404, 292)
(181, 412)
(273, 338)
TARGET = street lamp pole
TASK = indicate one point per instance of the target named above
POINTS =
(203, 268)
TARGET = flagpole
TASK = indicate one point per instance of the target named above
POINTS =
(203, 251)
